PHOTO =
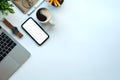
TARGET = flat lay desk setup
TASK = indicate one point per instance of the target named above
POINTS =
(83, 43)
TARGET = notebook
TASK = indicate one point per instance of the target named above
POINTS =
(25, 5)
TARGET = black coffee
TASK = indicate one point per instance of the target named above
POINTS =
(40, 16)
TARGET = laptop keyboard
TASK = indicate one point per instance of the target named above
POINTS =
(6, 45)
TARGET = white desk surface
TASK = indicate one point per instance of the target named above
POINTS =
(84, 44)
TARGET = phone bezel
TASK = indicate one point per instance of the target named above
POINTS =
(31, 35)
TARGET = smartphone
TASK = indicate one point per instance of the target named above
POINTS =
(35, 31)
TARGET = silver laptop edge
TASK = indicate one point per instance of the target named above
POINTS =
(17, 56)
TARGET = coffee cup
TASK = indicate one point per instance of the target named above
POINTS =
(44, 16)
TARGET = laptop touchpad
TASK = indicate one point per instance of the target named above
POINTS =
(7, 67)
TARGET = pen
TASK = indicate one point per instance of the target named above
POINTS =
(36, 7)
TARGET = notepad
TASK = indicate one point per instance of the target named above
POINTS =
(25, 5)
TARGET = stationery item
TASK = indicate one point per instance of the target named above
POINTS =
(44, 16)
(25, 5)
(14, 29)
(35, 31)
(36, 7)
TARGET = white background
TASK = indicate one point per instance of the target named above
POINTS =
(83, 45)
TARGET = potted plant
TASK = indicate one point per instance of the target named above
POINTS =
(6, 7)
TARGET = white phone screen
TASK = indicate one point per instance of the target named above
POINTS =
(35, 31)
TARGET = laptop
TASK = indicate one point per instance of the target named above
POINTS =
(12, 55)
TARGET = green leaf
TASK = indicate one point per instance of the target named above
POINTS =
(6, 7)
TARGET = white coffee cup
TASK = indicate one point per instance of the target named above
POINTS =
(44, 16)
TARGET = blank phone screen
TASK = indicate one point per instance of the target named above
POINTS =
(35, 31)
